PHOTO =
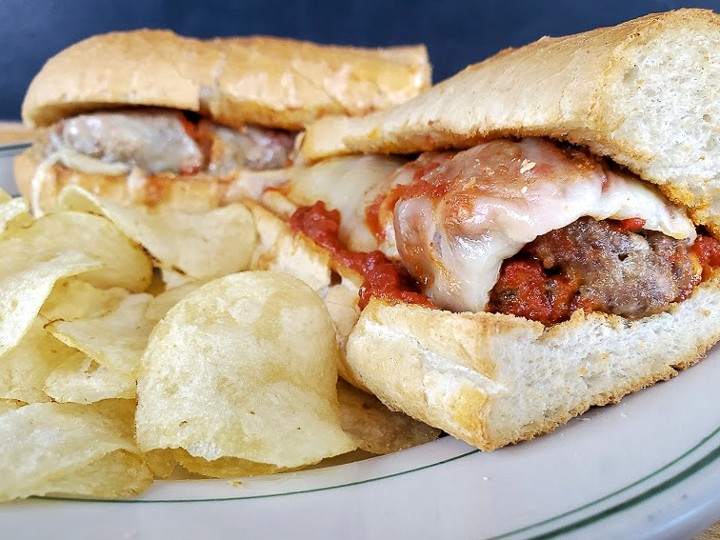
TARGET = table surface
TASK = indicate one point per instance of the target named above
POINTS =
(14, 132)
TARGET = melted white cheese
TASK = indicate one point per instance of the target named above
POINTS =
(455, 246)
(503, 195)
(44, 173)
(154, 140)
(89, 165)
(347, 184)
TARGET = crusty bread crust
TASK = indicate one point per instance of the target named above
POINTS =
(488, 379)
(260, 80)
(643, 93)
(492, 380)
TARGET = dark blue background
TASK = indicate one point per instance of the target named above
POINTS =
(456, 33)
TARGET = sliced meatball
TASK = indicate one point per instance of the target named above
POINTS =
(154, 140)
(250, 147)
(158, 140)
(602, 267)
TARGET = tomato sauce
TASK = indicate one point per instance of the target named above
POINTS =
(529, 290)
(385, 202)
(372, 217)
(202, 137)
(707, 250)
(630, 225)
(382, 278)
(535, 293)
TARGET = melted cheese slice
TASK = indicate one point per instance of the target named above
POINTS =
(452, 219)
(347, 184)
(154, 140)
(499, 196)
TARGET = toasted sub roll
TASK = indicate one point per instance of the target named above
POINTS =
(642, 93)
(505, 148)
(492, 379)
(210, 108)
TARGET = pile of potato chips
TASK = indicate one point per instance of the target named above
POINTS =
(136, 342)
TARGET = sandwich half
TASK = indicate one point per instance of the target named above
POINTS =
(532, 237)
(150, 117)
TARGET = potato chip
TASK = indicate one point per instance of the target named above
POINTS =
(24, 368)
(341, 301)
(7, 405)
(23, 292)
(74, 298)
(53, 448)
(162, 462)
(243, 367)
(121, 412)
(224, 467)
(115, 340)
(374, 427)
(118, 475)
(14, 213)
(124, 263)
(161, 304)
(173, 278)
(157, 285)
(201, 245)
(79, 379)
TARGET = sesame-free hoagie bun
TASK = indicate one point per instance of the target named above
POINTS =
(641, 94)
(492, 379)
(117, 105)
(273, 82)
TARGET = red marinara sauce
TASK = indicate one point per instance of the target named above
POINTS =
(707, 250)
(382, 278)
(536, 295)
(551, 298)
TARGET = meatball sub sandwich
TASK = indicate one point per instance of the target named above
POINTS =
(530, 238)
(150, 117)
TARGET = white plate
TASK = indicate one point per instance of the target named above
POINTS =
(648, 467)
(7, 153)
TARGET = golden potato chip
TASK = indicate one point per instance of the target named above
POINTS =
(7, 405)
(161, 304)
(121, 412)
(124, 263)
(243, 367)
(79, 379)
(157, 285)
(117, 475)
(173, 278)
(74, 298)
(201, 245)
(374, 427)
(224, 467)
(14, 213)
(54, 448)
(115, 340)
(162, 462)
(24, 291)
(24, 369)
